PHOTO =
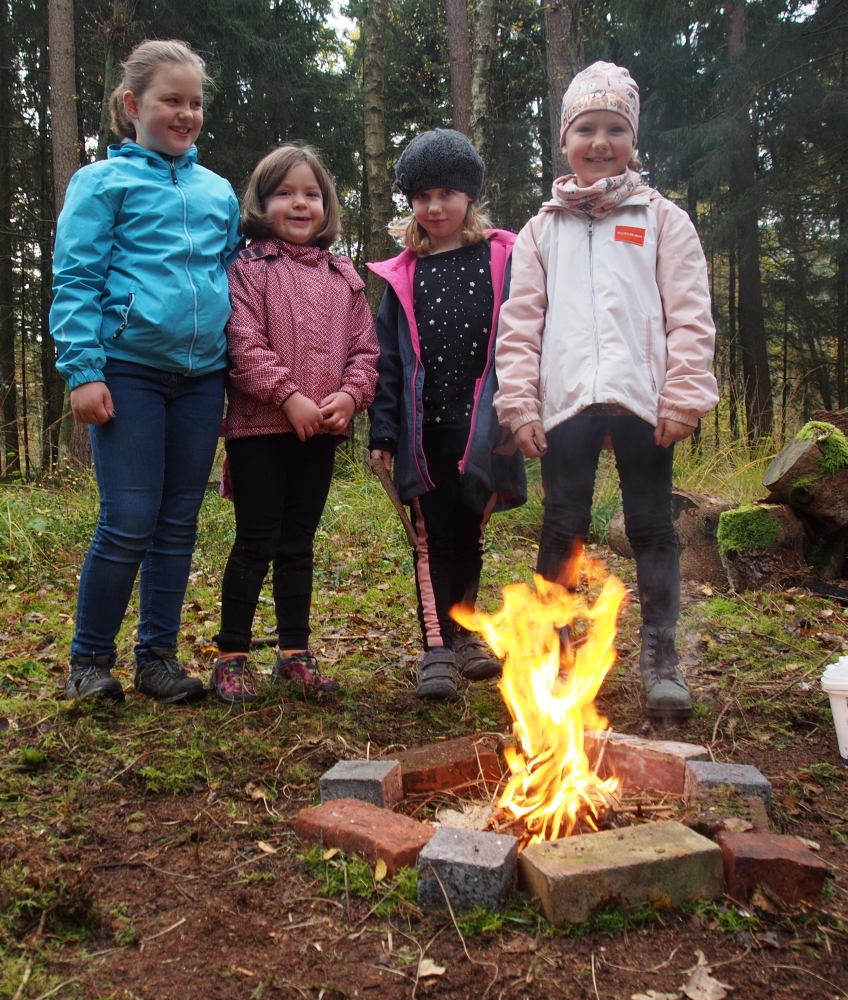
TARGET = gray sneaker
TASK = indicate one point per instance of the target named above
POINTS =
(159, 675)
(667, 696)
(91, 677)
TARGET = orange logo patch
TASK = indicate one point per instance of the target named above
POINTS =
(630, 234)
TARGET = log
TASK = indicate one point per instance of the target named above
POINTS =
(811, 475)
(761, 544)
(696, 518)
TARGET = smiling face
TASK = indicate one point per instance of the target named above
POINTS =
(598, 144)
(441, 212)
(168, 115)
(295, 210)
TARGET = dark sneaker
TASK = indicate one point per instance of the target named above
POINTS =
(91, 677)
(437, 676)
(667, 696)
(233, 681)
(302, 668)
(159, 675)
(474, 659)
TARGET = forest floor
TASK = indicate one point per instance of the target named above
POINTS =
(147, 851)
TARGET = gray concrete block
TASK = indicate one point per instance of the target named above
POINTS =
(652, 863)
(376, 781)
(475, 869)
(702, 775)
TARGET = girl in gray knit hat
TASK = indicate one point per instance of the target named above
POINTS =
(432, 416)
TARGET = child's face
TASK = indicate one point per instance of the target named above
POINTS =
(598, 144)
(441, 212)
(169, 114)
(296, 208)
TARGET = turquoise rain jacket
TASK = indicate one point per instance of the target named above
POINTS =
(139, 268)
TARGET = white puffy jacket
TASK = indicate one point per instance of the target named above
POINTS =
(611, 310)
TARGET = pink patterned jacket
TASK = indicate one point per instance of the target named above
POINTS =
(300, 322)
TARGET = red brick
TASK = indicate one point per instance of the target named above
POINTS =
(358, 827)
(789, 869)
(659, 765)
(453, 764)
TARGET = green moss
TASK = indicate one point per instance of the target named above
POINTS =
(832, 444)
(749, 528)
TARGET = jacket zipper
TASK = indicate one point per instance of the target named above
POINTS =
(595, 336)
(123, 325)
(187, 263)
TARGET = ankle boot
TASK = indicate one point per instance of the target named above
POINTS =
(667, 696)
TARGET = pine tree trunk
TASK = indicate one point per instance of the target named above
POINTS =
(752, 331)
(459, 43)
(10, 463)
(116, 29)
(378, 243)
(565, 57)
(481, 125)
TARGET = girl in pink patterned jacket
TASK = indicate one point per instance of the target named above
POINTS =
(304, 354)
(608, 333)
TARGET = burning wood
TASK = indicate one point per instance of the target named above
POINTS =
(549, 692)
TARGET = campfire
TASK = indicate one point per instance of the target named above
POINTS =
(549, 686)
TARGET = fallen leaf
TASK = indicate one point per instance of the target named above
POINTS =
(254, 791)
(427, 967)
(380, 870)
(653, 995)
(327, 855)
(813, 845)
(263, 845)
(519, 946)
(701, 985)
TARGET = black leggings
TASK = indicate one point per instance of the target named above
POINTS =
(644, 471)
(280, 486)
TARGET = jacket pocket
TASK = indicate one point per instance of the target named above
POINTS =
(125, 316)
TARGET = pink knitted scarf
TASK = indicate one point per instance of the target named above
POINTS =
(598, 200)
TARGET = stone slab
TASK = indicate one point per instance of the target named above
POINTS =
(451, 765)
(658, 765)
(475, 869)
(361, 828)
(783, 863)
(376, 781)
(722, 808)
(575, 876)
(747, 780)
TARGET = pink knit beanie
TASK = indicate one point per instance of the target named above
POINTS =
(602, 86)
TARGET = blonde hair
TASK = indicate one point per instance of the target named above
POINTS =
(267, 176)
(139, 69)
(414, 236)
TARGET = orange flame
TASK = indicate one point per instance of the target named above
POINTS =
(550, 697)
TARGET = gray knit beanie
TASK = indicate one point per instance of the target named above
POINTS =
(442, 158)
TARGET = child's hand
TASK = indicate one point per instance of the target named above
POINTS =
(337, 409)
(304, 415)
(91, 403)
(530, 438)
(382, 456)
(668, 431)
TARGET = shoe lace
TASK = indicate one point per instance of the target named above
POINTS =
(89, 672)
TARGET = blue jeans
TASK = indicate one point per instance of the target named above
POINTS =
(645, 474)
(152, 462)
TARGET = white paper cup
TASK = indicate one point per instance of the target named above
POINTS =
(834, 681)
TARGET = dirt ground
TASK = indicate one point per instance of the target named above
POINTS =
(207, 895)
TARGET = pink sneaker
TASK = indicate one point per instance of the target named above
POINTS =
(303, 669)
(233, 681)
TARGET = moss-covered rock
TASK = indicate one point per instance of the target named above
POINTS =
(832, 444)
(749, 528)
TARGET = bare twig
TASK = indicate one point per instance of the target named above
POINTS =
(167, 930)
(800, 968)
(462, 939)
(56, 989)
(19, 992)
(594, 980)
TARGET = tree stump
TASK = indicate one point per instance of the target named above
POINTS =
(761, 544)
(811, 475)
(696, 517)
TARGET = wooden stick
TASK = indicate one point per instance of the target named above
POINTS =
(382, 473)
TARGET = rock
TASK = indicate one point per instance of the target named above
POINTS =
(473, 868)
(760, 544)
(742, 779)
(375, 781)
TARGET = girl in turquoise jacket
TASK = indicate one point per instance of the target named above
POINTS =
(138, 316)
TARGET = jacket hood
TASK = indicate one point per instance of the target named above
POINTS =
(388, 268)
(310, 256)
(130, 148)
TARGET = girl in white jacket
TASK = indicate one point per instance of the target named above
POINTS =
(608, 333)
